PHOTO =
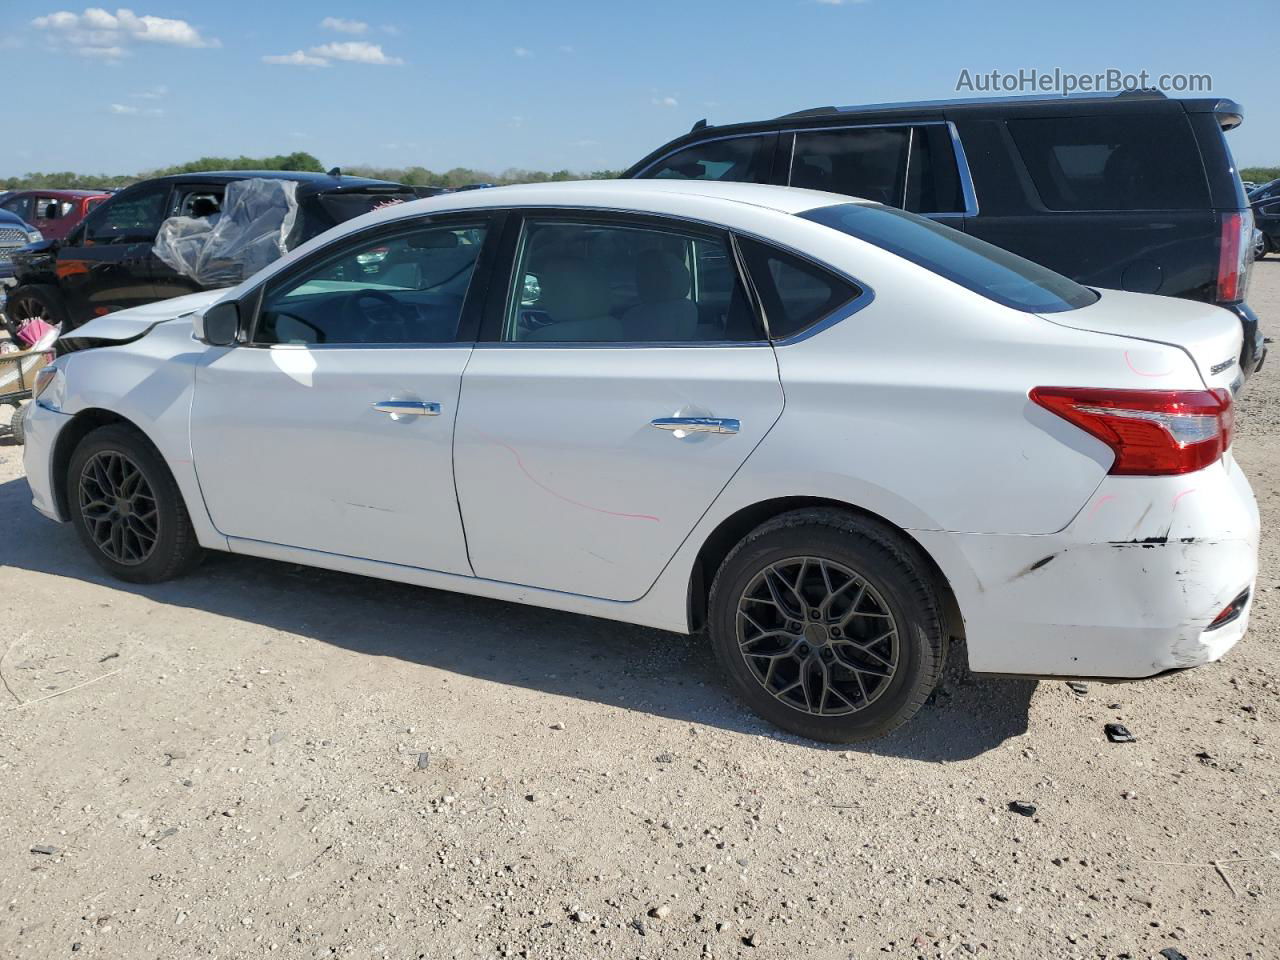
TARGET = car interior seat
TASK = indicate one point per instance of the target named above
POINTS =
(665, 311)
(576, 298)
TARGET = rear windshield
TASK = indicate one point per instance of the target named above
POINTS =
(975, 264)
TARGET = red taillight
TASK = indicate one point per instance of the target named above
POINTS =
(1234, 255)
(1152, 432)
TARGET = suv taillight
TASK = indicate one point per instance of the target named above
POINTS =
(1153, 433)
(1235, 254)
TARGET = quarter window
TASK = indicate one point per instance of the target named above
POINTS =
(796, 292)
(408, 289)
(736, 160)
(1112, 163)
(607, 283)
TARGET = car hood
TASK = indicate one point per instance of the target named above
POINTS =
(1210, 335)
(134, 322)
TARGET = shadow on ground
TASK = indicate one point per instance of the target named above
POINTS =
(617, 664)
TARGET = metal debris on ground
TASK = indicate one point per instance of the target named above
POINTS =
(1078, 688)
(1022, 807)
(45, 849)
(424, 759)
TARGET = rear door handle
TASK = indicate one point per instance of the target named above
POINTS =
(685, 425)
(407, 408)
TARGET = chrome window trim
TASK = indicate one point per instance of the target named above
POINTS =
(967, 191)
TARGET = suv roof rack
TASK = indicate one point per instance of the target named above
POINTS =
(974, 101)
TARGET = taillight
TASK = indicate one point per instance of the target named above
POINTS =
(1235, 254)
(1151, 432)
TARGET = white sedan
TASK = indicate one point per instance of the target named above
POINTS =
(837, 436)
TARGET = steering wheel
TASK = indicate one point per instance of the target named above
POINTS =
(388, 312)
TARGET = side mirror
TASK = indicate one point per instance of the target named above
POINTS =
(219, 325)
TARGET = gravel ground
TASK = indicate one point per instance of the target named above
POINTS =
(271, 758)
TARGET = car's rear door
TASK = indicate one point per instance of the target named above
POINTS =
(188, 200)
(331, 429)
(613, 396)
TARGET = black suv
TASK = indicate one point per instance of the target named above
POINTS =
(1266, 217)
(1133, 191)
(107, 263)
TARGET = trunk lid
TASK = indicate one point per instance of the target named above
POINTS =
(1210, 335)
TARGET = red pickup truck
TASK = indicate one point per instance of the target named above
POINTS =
(54, 213)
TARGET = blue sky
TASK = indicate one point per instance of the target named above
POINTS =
(572, 84)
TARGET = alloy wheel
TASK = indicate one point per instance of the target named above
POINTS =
(119, 507)
(817, 636)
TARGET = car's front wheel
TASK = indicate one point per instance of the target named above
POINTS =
(828, 625)
(127, 508)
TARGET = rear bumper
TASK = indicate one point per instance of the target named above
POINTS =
(42, 428)
(1129, 589)
(1254, 349)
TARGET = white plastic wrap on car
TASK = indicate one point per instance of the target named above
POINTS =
(222, 250)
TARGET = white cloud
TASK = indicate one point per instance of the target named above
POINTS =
(155, 93)
(355, 51)
(522, 52)
(104, 35)
(124, 109)
(666, 102)
(296, 59)
(339, 25)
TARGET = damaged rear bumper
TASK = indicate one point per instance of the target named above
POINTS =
(1131, 588)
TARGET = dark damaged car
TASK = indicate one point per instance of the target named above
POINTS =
(110, 262)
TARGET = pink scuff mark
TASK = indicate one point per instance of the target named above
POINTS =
(1099, 502)
(1181, 495)
(560, 496)
(1142, 373)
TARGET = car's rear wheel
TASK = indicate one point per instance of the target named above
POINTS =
(127, 508)
(1259, 245)
(828, 625)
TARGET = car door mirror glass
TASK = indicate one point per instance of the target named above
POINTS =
(218, 326)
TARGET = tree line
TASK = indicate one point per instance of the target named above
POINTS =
(414, 176)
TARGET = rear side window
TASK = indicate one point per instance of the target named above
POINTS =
(933, 179)
(869, 163)
(975, 264)
(1113, 162)
(736, 160)
(796, 293)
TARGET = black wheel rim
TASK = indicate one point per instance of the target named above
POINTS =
(29, 308)
(817, 636)
(119, 508)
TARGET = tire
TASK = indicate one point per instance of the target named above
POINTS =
(1260, 246)
(899, 606)
(156, 541)
(18, 423)
(36, 300)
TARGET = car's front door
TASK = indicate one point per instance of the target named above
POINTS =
(104, 264)
(621, 386)
(331, 429)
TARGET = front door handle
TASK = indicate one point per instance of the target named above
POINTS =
(684, 425)
(407, 408)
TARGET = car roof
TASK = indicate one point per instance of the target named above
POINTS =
(658, 196)
(62, 194)
(312, 181)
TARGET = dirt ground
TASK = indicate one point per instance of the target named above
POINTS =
(276, 759)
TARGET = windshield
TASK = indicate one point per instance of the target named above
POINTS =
(975, 264)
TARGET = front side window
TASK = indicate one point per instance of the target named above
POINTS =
(20, 207)
(975, 264)
(131, 217)
(867, 162)
(736, 160)
(1113, 162)
(407, 289)
(607, 283)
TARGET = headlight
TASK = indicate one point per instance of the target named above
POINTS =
(34, 236)
(49, 387)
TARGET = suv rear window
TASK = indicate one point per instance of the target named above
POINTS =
(1130, 162)
(975, 264)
